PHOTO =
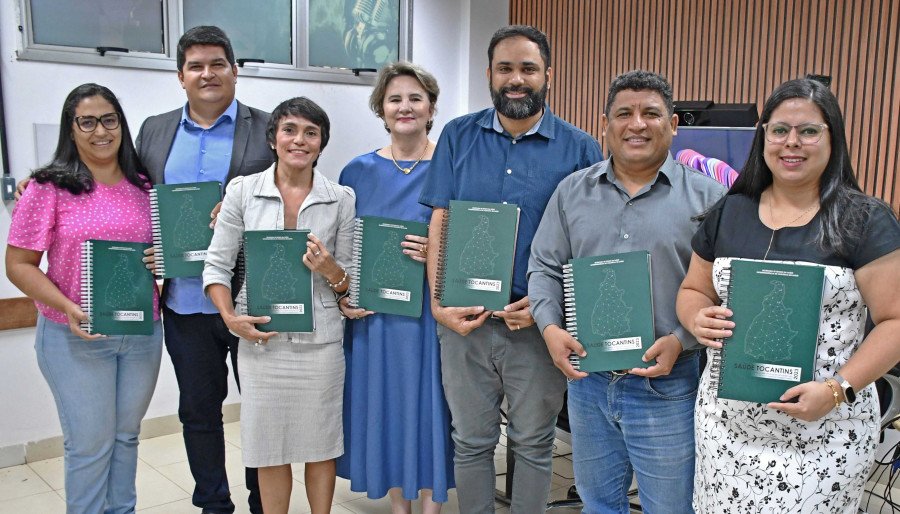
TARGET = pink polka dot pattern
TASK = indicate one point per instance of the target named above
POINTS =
(52, 220)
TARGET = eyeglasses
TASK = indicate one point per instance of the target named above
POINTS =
(807, 133)
(110, 121)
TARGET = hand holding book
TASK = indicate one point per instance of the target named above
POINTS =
(711, 325)
(416, 247)
(350, 312)
(461, 320)
(517, 315)
(665, 350)
(807, 402)
(561, 344)
(319, 260)
(76, 316)
(149, 259)
(245, 326)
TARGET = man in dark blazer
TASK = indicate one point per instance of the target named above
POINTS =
(212, 138)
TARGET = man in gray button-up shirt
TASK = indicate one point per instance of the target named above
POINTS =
(639, 199)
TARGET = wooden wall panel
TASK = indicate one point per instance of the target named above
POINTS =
(735, 51)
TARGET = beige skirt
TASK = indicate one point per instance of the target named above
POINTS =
(291, 402)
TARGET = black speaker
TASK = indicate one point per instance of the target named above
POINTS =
(733, 115)
(693, 113)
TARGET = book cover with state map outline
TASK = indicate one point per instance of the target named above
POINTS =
(609, 310)
(477, 255)
(181, 232)
(777, 308)
(383, 278)
(277, 283)
(116, 288)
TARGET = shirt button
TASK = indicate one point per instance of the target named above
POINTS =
(630, 204)
(509, 172)
(625, 236)
(201, 171)
(514, 141)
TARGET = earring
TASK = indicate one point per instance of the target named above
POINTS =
(272, 147)
(429, 124)
(388, 129)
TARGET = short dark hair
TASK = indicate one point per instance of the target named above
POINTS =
(305, 108)
(204, 35)
(843, 206)
(400, 69)
(640, 80)
(66, 170)
(528, 32)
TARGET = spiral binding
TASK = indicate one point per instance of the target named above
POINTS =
(356, 262)
(569, 306)
(159, 258)
(716, 372)
(87, 285)
(440, 273)
(240, 267)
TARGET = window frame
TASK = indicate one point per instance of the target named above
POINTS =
(172, 17)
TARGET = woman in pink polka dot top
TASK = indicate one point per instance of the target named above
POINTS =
(95, 188)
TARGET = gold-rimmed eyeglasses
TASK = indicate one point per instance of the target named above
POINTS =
(807, 133)
(110, 121)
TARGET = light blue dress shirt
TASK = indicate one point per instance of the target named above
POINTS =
(198, 155)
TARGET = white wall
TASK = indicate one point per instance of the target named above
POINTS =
(34, 91)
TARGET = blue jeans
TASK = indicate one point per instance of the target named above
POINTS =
(102, 389)
(625, 424)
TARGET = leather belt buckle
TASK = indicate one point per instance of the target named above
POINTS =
(619, 372)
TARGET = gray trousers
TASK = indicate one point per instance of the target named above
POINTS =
(478, 371)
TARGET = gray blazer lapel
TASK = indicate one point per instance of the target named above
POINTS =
(241, 138)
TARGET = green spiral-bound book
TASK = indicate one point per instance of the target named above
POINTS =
(278, 284)
(777, 308)
(477, 254)
(609, 310)
(181, 233)
(116, 288)
(383, 278)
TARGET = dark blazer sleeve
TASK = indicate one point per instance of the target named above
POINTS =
(250, 153)
(154, 141)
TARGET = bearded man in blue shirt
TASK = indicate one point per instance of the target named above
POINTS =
(516, 152)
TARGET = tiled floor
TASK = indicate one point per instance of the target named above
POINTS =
(164, 482)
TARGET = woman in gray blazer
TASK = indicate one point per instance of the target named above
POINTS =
(291, 382)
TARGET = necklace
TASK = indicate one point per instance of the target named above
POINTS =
(407, 171)
(772, 218)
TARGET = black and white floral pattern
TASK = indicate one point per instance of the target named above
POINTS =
(753, 459)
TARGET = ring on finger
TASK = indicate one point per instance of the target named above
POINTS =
(258, 342)
(317, 253)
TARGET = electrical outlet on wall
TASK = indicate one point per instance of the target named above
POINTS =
(9, 188)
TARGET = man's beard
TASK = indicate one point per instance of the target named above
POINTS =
(520, 108)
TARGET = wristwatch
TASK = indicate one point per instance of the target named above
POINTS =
(849, 393)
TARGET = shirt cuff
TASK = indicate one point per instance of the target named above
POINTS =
(686, 338)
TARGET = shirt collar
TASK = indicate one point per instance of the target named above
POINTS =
(545, 126)
(229, 115)
(322, 190)
(604, 168)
